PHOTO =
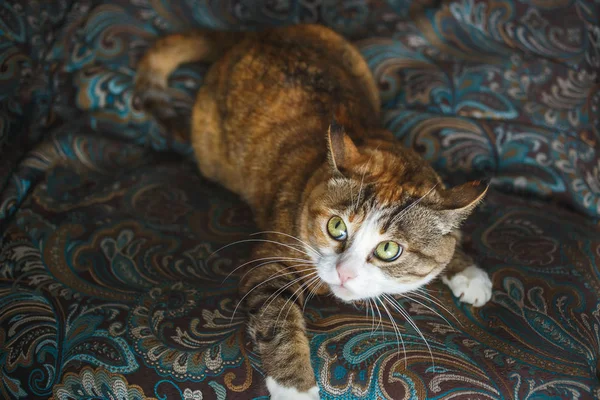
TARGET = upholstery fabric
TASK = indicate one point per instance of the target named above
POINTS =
(111, 285)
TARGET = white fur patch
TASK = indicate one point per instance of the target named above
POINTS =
(279, 392)
(472, 286)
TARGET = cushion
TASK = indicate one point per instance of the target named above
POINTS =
(114, 284)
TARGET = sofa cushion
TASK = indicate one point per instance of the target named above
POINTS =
(113, 282)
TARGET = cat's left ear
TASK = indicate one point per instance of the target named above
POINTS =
(458, 202)
(342, 151)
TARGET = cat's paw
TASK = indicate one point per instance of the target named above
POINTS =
(280, 392)
(472, 285)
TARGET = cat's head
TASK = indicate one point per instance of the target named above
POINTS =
(381, 220)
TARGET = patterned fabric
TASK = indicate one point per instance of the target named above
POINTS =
(111, 285)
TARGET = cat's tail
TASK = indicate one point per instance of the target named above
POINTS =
(171, 51)
(163, 58)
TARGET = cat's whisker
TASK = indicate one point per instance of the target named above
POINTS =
(430, 296)
(309, 247)
(303, 288)
(399, 216)
(295, 295)
(304, 264)
(273, 277)
(281, 290)
(397, 331)
(380, 317)
(406, 315)
(273, 260)
(372, 315)
(352, 195)
(362, 180)
(373, 328)
(261, 241)
(426, 291)
(311, 294)
(278, 275)
(406, 296)
(435, 302)
(429, 308)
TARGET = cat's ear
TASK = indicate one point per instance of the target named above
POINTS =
(342, 151)
(458, 203)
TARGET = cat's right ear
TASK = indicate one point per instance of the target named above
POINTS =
(342, 151)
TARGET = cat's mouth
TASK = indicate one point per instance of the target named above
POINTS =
(344, 293)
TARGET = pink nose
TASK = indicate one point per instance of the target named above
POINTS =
(344, 273)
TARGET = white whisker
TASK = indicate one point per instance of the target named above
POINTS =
(260, 284)
(362, 180)
(372, 315)
(259, 240)
(273, 260)
(311, 294)
(293, 298)
(278, 291)
(401, 214)
(380, 317)
(425, 290)
(309, 247)
(352, 195)
(399, 308)
(397, 331)
(437, 303)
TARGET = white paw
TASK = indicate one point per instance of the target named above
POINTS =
(279, 392)
(472, 285)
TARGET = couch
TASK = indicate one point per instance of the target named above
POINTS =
(111, 285)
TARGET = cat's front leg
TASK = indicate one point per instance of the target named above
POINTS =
(468, 282)
(276, 324)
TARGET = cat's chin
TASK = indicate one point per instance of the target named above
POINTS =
(345, 294)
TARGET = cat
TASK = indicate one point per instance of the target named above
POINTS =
(289, 119)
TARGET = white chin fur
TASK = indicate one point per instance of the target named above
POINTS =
(279, 392)
(345, 294)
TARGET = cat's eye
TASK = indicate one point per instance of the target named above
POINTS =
(388, 251)
(337, 228)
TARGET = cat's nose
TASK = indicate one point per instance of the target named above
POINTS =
(344, 273)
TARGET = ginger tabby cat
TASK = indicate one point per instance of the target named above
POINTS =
(347, 209)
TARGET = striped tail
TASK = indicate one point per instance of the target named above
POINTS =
(162, 60)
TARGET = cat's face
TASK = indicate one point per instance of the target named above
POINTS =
(375, 234)
(368, 246)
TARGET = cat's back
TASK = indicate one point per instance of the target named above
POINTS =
(289, 72)
(274, 91)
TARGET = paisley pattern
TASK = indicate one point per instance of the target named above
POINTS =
(113, 280)
(98, 383)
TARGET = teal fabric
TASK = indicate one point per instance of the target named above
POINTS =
(109, 287)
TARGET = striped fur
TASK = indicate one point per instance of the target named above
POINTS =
(262, 127)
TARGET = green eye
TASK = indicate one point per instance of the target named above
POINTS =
(388, 251)
(337, 228)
